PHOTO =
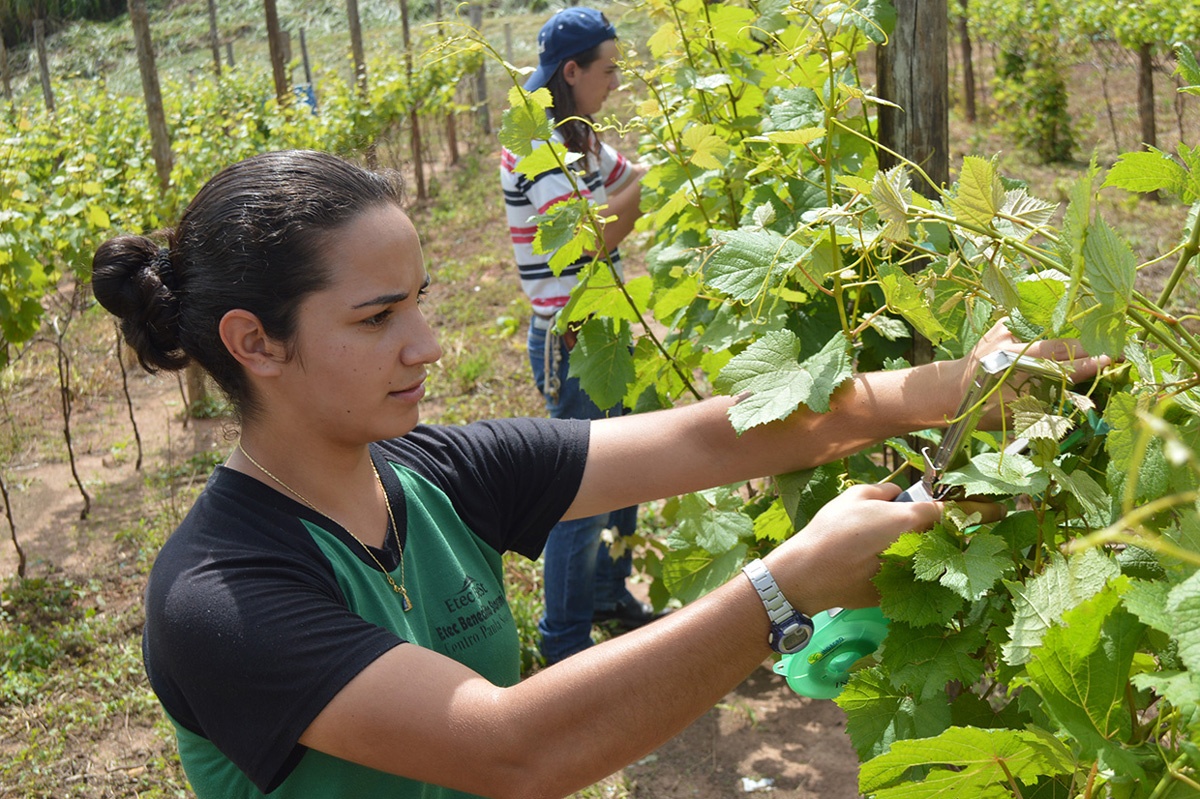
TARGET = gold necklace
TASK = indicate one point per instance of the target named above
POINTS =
(405, 603)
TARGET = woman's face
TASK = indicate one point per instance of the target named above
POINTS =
(362, 343)
(591, 85)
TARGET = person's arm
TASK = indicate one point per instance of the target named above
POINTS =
(417, 713)
(623, 204)
(695, 447)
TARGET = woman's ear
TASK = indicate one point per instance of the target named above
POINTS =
(243, 335)
(570, 72)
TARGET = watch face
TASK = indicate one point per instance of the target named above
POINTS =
(795, 639)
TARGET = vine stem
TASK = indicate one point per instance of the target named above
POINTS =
(1188, 357)
(678, 148)
(1012, 781)
(1120, 531)
(1189, 252)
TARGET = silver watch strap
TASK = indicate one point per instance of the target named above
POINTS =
(778, 608)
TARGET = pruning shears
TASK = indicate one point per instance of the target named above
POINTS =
(992, 369)
(843, 637)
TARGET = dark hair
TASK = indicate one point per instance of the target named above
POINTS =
(252, 238)
(578, 136)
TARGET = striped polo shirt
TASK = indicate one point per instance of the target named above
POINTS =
(526, 197)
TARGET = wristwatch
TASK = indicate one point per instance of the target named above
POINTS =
(790, 629)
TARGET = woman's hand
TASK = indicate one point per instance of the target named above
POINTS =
(831, 561)
(1069, 353)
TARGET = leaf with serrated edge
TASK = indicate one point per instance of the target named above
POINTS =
(980, 193)
(713, 524)
(1041, 601)
(606, 366)
(1111, 268)
(777, 383)
(877, 714)
(998, 473)
(970, 573)
(691, 574)
(1032, 420)
(1183, 603)
(975, 762)
(749, 262)
(1081, 670)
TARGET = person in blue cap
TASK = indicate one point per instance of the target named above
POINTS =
(577, 63)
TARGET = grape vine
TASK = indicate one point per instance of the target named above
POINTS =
(1056, 652)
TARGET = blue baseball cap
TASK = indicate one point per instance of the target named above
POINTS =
(569, 32)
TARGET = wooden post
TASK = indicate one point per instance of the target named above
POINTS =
(304, 57)
(481, 100)
(356, 46)
(913, 72)
(214, 38)
(4, 74)
(160, 139)
(451, 130)
(229, 54)
(964, 43)
(275, 43)
(39, 38)
(1146, 95)
(508, 51)
(310, 89)
(414, 121)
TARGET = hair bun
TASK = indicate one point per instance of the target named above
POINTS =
(135, 280)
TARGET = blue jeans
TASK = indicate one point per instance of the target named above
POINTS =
(580, 575)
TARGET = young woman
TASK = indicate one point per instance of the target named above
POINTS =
(577, 63)
(329, 619)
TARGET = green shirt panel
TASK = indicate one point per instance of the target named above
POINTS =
(456, 584)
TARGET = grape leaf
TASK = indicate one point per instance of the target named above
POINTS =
(777, 383)
(970, 573)
(1121, 414)
(976, 763)
(707, 149)
(890, 196)
(523, 123)
(1148, 601)
(1148, 171)
(906, 298)
(713, 520)
(1041, 601)
(694, 572)
(543, 159)
(805, 492)
(1183, 603)
(1111, 268)
(749, 262)
(1081, 671)
(773, 524)
(1022, 215)
(598, 294)
(980, 193)
(1032, 420)
(996, 473)
(606, 368)
(925, 659)
(916, 603)
(877, 715)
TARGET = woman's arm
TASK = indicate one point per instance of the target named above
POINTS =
(419, 714)
(640, 457)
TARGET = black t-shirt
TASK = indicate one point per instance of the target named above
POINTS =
(259, 610)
